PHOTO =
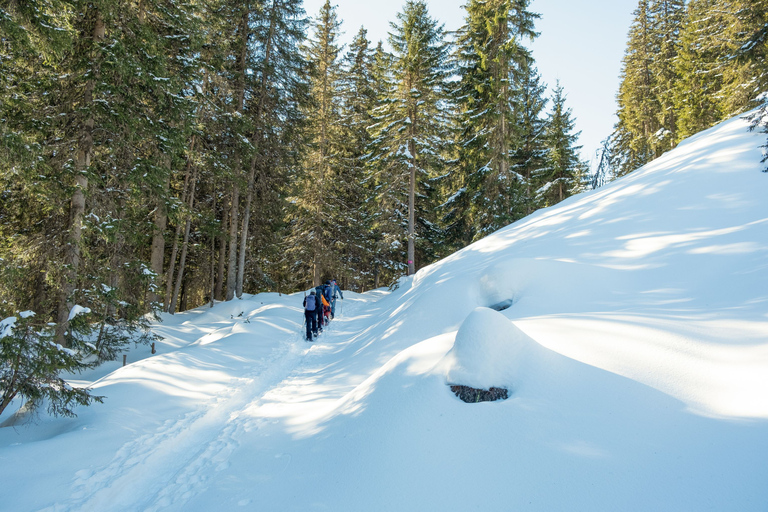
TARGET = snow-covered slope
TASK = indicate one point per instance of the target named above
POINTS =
(635, 350)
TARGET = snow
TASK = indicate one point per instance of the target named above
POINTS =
(79, 310)
(490, 351)
(7, 325)
(635, 349)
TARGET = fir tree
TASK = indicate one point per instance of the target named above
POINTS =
(354, 189)
(529, 157)
(666, 21)
(318, 209)
(638, 104)
(745, 59)
(698, 67)
(494, 116)
(560, 176)
(31, 364)
(385, 213)
(410, 129)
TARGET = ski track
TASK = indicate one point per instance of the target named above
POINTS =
(167, 468)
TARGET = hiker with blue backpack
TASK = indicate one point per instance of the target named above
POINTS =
(319, 311)
(310, 313)
(334, 290)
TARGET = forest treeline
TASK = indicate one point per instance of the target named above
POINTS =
(687, 66)
(158, 154)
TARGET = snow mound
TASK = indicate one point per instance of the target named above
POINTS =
(491, 352)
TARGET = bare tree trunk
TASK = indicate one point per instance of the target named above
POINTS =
(212, 288)
(177, 234)
(185, 246)
(158, 242)
(232, 268)
(77, 203)
(244, 235)
(412, 220)
(219, 290)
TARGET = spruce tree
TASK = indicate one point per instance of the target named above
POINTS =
(354, 190)
(666, 21)
(410, 129)
(637, 102)
(494, 117)
(529, 157)
(560, 176)
(317, 205)
(698, 67)
(383, 210)
(745, 59)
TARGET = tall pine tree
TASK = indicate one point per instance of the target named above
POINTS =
(410, 130)
(638, 105)
(315, 236)
(494, 67)
(560, 177)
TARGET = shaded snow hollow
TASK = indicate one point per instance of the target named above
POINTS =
(635, 347)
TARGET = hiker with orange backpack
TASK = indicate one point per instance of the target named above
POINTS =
(326, 309)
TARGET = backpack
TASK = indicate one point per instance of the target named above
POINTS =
(327, 293)
(310, 303)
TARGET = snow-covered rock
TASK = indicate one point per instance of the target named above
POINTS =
(490, 351)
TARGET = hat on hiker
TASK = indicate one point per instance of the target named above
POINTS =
(312, 292)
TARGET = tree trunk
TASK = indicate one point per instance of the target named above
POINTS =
(232, 268)
(412, 212)
(185, 246)
(219, 290)
(77, 203)
(158, 242)
(244, 233)
(177, 234)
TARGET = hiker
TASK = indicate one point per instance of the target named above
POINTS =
(319, 311)
(326, 309)
(310, 314)
(334, 290)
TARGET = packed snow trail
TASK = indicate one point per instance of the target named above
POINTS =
(164, 469)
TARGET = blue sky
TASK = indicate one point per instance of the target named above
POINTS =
(581, 43)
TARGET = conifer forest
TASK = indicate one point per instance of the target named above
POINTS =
(157, 155)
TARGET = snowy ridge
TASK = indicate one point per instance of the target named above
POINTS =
(634, 343)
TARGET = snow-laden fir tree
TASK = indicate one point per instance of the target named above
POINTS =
(562, 173)
(638, 105)
(529, 156)
(357, 245)
(666, 18)
(698, 66)
(745, 59)
(411, 130)
(315, 223)
(385, 233)
(492, 65)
